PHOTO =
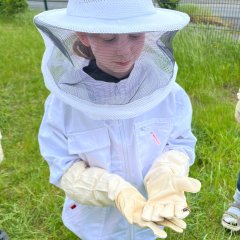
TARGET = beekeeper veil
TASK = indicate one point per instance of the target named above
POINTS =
(130, 40)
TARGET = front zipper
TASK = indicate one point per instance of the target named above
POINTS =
(131, 232)
(124, 151)
(127, 168)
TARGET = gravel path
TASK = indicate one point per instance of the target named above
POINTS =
(51, 4)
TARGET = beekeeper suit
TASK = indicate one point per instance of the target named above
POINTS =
(120, 150)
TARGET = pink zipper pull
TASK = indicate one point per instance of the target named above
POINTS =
(155, 138)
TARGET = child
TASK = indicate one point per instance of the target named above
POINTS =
(231, 218)
(116, 132)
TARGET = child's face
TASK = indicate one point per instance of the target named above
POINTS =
(115, 53)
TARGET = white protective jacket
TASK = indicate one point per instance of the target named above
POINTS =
(124, 147)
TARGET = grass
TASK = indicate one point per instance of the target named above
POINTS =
(30, 208)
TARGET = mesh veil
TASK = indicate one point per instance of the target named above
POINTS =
(147, 83)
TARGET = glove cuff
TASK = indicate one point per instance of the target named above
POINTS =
(172, 161)
(92, 185)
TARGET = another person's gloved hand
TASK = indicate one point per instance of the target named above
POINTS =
(237, 110)
(1, 151)
(166, 182)
(95, 186)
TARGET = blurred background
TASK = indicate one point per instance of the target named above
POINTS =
(207, 53)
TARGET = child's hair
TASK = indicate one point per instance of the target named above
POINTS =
(82, 51)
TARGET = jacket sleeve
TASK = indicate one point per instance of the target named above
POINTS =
(181, 137)
(53, 141)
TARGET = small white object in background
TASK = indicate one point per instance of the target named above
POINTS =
(237, 110)
(1, 151)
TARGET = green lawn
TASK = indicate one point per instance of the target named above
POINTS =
(209, 70)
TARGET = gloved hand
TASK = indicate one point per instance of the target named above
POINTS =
(131, 203)
(1, 151)
(237, 110)
(95, 186)
(166, 183)
(133, 213)
(177, 225)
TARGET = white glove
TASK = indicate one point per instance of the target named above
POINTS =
(92, 185)
(95, 186)
(131, 203)
(133, 213)
(237, 110)
(1, 151)
(177, 225)
(166, 183)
